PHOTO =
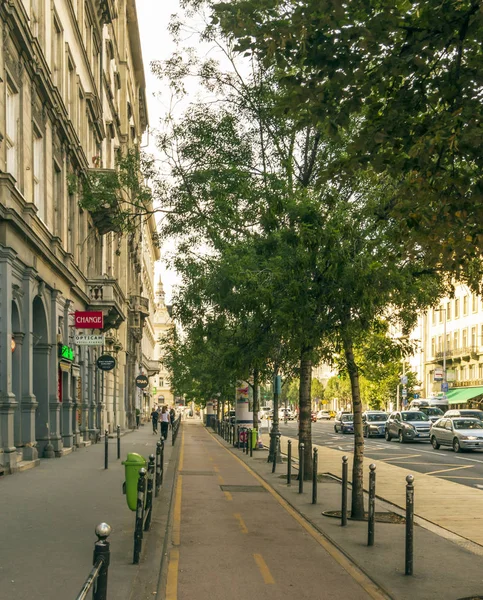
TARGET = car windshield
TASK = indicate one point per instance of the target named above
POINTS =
(476, 414)
(467, 424)
(432, 412)
(414, 416)
(376, 417)
(347, 418)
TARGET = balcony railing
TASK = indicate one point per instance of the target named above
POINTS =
(140, 304)
(106, 295)
(457, 352)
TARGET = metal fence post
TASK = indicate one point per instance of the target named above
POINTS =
(102, 551)
(409, 524)
(301, 467)
(343, 512)
(371, 511)
(314, 476)
(161, 463)
(252, 431)
(118, 441)
(158, 469)
(106, 449)
(276, 451)
(149, 493)
(138, 528)
(289, 462)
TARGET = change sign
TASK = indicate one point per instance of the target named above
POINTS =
(88, 319)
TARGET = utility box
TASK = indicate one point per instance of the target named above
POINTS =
(132, 465)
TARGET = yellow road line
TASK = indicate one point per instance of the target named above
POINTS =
(221, 481)
(399, 457)
(181, 453)
(177, 512)
(241, 522)
(216, 469)
(172, 583)
(362, 579)
(228, 496)
(264, 570)
(447, 470)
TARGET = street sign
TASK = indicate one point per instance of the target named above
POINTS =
(88, 319)
(142, 381)
(404, 392)
(106, 362)
(89, 340)
(416, 396)
(404, 379)
(438, 374)
(444, 386)
(66, 352)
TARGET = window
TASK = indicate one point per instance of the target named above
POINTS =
(456, 340)
(473, 337)
(57, 54)
(433, 346)
(161, 383)
(448, 342)
(39, 173)
(36, 18)
(71, 91)
(474, 303)
(12, 127)
(434, 317)
(441, 313)
(448, 311)
(465, 305)
(440, 343)
(472, 372)
(87, 31)
(57, 196)
(463, 373)
(457, 308)
(480, 371)
(464, 338)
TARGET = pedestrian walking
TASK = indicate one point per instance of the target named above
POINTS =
(154, 419)
(138, 417)
(172, 416)
(164, 422)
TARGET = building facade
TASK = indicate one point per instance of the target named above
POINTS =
(72, 100)
(160, 383)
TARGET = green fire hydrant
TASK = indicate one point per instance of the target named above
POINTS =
(133, 463)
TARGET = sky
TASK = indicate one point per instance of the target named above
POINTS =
(153, 17)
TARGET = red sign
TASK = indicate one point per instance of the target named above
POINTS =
(88, 319)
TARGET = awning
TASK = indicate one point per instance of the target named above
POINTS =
(460, 395)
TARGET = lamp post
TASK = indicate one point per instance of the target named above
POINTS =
(274, 452)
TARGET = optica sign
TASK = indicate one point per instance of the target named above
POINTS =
(88, 319)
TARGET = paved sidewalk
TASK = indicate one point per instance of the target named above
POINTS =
(230, 538)
(49, 515)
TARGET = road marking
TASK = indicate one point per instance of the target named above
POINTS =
(264, 570)
(461, 477)
(221, 481)
(371, 588)
(216, 469)
(228, 496)
(241, 522)
(392, 458)
(452, 469)
(181, 453)
(177, 512)
(172, 583)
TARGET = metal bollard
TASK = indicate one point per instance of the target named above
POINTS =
(249, 437)
(251, 442)
(314, 476)
(237, 436)
(118, 441)
(149, 493)
(343, 515)
(101, 551)
(371, 511)
(106, 449)
(138, 528)
(409, 524)
(289, 462)
(276, 451)
(158, 469)
(161, 462)
(301, 467)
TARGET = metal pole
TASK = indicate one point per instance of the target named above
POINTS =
(138, 528)
(158, 469)
(251, 441)
(274, 462)
(409, 524)
(106, 449)
(371, 516)
(161, 462)
(289, 462)
(237, 444)
(274, 431)
(314, 477)
(343, 516)
(301, 467)
(118, 441)
(149, 493)
(249, 437)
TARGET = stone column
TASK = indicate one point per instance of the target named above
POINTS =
(54, 400)
(29, 401)
(17, 386)
(76, 405)
(42, 354)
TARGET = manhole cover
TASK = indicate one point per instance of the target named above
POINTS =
(242, 488)
(196, 473)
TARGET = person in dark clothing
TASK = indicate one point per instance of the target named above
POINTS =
(164, 422)
(154, 419)
(172, 416)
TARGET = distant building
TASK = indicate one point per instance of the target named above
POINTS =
(161, 391)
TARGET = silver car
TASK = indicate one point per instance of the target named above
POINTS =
(374, 423)
(460, 433)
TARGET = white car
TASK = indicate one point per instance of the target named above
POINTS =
(323, 415)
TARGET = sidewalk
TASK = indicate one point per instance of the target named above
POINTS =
(49, 515)
(230, 538)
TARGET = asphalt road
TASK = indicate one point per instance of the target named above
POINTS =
(465, 468)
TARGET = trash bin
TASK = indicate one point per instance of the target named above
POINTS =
(133, 463)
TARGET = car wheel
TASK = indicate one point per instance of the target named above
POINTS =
(400, 437)
(456, 445)
(365, 433)
(387, 437)
(434, 443)
(335, 428)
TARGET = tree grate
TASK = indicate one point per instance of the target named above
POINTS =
(242, 488)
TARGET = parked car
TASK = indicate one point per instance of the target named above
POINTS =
(344, 422)
(432, 412)
(374, 423)
(460, 433)
(266, 412)
(291, 415)
(407, 426)
(323, 415)
(472, 413)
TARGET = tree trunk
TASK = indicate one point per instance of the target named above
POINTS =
(305, 423)
(222, 410)
(256, 402)
(357, 508)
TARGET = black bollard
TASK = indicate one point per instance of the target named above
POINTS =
(343, 512)
(101, 552)
(314, 477)
(251, 442)
(276, 451)
(237, 445)
(138, 527)
(409, 524)
(106, 449)
(301, 468)
(371, 511)
(289, 462)
(158, 469)
(118, 441)
(149, 493)
(161, 462)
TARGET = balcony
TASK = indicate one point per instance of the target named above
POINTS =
(151, 366)
(100, 198)
(465, 353)
(106, 295)
(140, 304)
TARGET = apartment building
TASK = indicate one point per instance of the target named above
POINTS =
(72, 101)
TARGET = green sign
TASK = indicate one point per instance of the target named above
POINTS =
(66, 352)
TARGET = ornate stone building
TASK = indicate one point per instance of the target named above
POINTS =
(72, 99)
(160, 384)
